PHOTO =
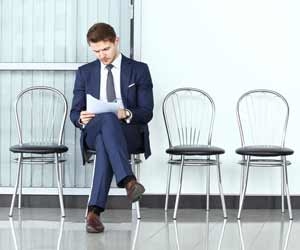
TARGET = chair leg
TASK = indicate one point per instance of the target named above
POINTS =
(20, 188)
(242, 178)
(287, 189)
(282, 189)
(242, 195)
(61, 171)
(138, 212)
(87, 205)
(136, 168)
(179, 188)
(59, 186)
(221, 187)
(207, 186)
(168, 185)
(16, 186)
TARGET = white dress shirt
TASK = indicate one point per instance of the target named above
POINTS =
(116, 72)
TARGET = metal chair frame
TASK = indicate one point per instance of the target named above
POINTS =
(55, 158)
(191, 139)
(254, 161)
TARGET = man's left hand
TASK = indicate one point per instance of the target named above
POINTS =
(122, 114)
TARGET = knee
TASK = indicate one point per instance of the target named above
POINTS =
(103, 118)
(109, 118)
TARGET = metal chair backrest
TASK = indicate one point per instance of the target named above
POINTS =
(40, 114)
(189, 116)
(262, 118)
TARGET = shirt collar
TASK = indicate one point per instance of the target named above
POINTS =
(116, 63)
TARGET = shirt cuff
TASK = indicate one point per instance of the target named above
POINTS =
(129, 117)
(81, 124)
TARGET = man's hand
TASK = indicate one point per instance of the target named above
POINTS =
(122, 114)
(86, 116)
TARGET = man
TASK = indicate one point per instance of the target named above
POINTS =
(112, 135)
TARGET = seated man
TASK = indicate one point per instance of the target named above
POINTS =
(112, 77)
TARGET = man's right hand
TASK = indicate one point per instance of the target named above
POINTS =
(86, 116)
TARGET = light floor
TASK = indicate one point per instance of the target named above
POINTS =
(43, 229)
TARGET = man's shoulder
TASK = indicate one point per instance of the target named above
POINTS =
(135, 64)
(89, 66)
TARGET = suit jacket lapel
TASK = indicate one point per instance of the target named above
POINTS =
(95, 79)
(125, 78)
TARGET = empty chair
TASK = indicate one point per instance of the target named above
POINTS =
(40, 113)
(262, 118)
(189, 117)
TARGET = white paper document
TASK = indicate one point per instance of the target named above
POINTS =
(96, 106)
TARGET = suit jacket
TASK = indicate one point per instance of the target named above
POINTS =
(137, 96)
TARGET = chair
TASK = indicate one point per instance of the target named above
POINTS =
(189, 116)
(40, 113)
(135, 161)
(262, 118)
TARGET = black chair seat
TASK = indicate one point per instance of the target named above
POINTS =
(38, 148)
(195, 150)
(93, 152)
(264, 150)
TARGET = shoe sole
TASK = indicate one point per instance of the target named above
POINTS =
(90, 229)
(137, 193)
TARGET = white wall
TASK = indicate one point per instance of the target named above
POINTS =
(224, 47)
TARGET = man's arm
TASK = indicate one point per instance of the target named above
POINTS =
(79, 100)
(143, 111)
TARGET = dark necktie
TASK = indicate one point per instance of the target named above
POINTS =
(110, 88)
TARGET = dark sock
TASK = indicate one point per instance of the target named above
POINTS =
(95, 209)
(127, 179)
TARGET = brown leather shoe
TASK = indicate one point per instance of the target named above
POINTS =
(93, 223)
(134, 190)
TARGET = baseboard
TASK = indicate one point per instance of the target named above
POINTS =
(153, 201)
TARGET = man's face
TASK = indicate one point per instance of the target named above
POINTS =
(105, 51)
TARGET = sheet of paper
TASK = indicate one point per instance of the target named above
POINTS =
(96, 106)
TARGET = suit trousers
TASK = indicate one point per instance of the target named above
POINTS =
(105, 135)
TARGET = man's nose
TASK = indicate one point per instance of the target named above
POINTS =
(101, 55)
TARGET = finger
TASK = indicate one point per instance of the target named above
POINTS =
(89, 115)
(84, 112)
(86, 120)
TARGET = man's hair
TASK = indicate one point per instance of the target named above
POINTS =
(101, 32)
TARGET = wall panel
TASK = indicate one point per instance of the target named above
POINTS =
(48, 31)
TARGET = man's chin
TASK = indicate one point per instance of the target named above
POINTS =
(106, 62)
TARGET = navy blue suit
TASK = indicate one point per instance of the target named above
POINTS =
(113, 140)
